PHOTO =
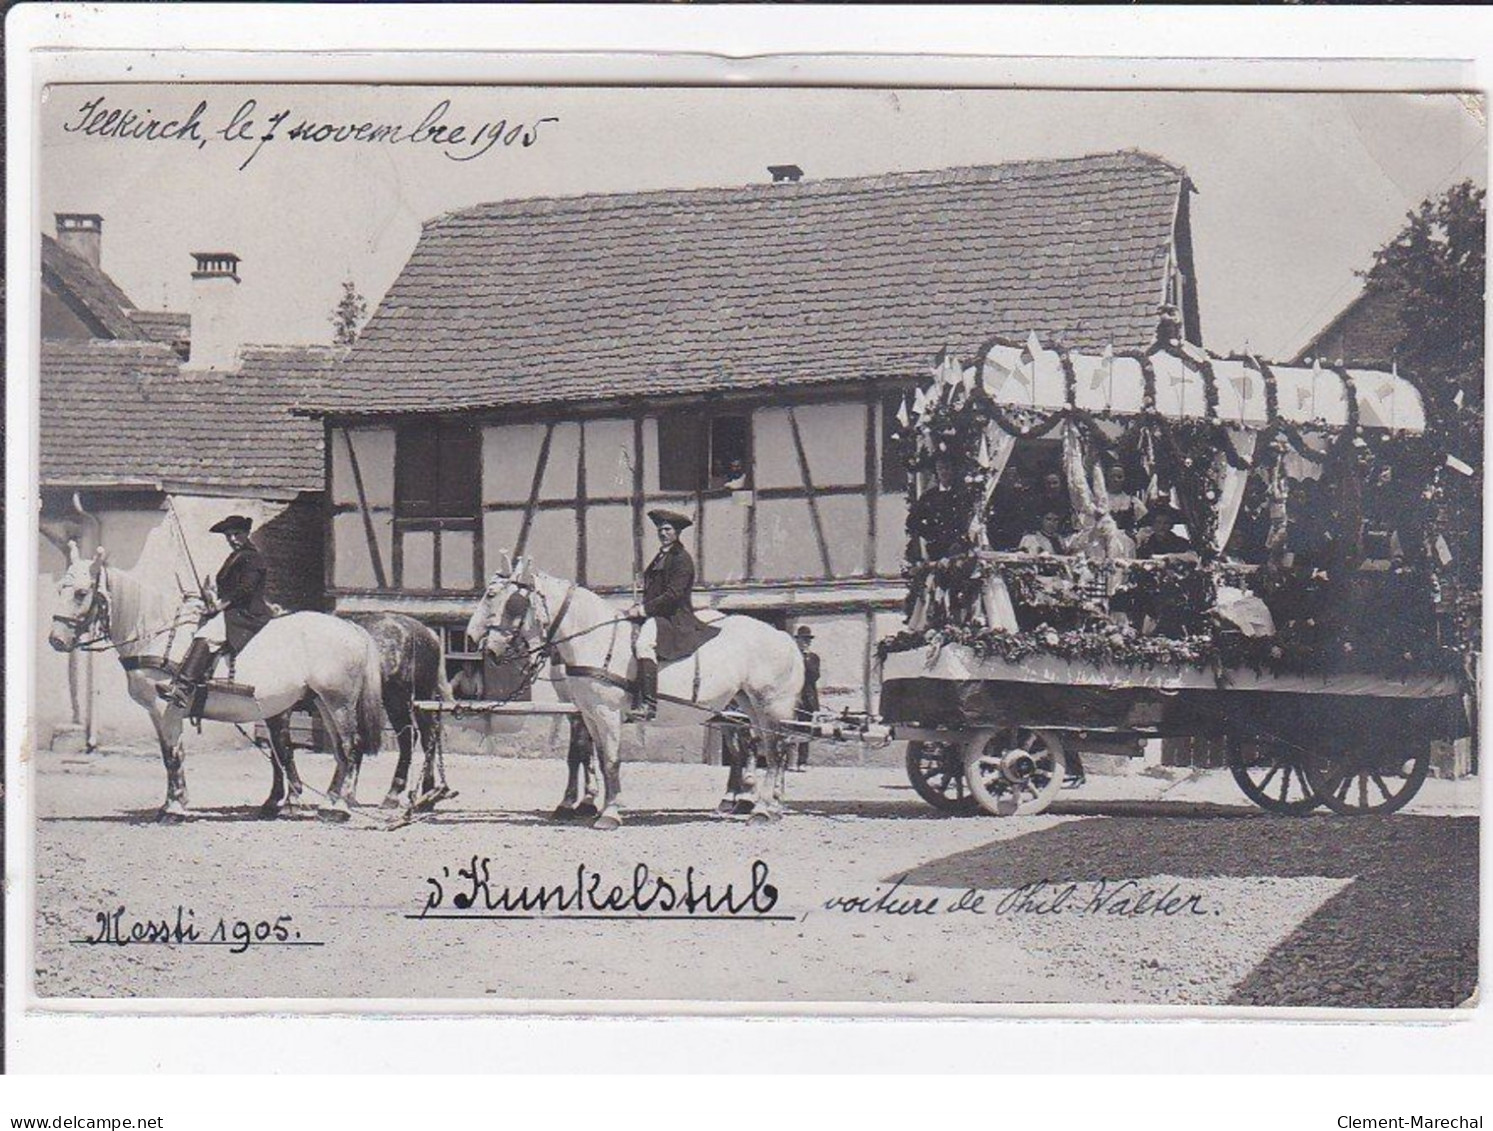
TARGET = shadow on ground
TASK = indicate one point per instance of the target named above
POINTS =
(1403, 934)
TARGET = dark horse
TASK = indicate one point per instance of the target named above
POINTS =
(414, 668)
(412, 665)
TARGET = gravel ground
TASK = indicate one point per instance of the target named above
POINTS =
(1242, 908)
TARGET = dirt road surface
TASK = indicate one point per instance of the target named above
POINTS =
(1181, 894)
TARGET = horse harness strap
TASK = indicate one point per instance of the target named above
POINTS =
(602, 675)
(159, 663)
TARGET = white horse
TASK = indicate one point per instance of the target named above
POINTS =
(748, 658)
(334, 662)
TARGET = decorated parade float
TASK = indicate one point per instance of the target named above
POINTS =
(1169, 543)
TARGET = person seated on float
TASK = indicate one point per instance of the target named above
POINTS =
(939, 519)
(667, 611)
(1124, 506)
(1047, 538)
(1164, 532)
(240, 611)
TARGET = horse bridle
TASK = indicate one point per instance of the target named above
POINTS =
(545, 646)
(94, 617)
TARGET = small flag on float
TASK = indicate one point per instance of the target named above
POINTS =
(902, 417)
(1104, 371)
(1443, 551)
(1457, 465)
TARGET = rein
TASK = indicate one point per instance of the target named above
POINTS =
(96, 619)
(542, 653)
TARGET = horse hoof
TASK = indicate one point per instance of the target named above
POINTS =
(172, 817)
(726, 806)
(759, 818)
(393, 801)
(607, 823)
(587, 809)
(564, 813)
(742, 808)
(334, 816)
(269, 810)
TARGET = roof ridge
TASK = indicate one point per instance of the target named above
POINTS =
(826, 186)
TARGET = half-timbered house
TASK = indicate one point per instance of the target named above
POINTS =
(542, 372)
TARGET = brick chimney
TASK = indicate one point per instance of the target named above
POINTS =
(82, 233)
(215, 319)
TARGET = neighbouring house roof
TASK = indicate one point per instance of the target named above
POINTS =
(604, 296)
(88, 291)
(1368, 328)
(167, 326)
(129, 413)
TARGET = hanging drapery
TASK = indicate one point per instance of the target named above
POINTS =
(996, 447)
(1230, 482)
(995, 452)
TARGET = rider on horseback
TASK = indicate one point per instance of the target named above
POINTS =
(670, 628)
(240, 611)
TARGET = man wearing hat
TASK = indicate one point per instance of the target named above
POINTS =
(239, 613)
(808, 698)
(670, 629)
(1161, 535)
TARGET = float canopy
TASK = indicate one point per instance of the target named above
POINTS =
(1031, 376)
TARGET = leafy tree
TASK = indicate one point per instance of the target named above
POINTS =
(348, 317)
(1438, 267)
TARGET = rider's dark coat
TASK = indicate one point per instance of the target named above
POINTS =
(668, 588)
(240, 583)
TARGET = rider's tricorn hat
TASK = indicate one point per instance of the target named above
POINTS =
(673, 518)
(233, 524)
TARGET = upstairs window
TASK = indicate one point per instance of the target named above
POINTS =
(893, 469)
(701, 452)
(437, 471)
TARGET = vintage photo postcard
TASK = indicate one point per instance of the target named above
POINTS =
(746, 548)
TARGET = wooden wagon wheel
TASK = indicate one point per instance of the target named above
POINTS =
(1273, 775)
(936, 770)
(1013, 770)
(1368, 777)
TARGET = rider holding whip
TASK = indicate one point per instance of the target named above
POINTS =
(239, 612)
(670, 629)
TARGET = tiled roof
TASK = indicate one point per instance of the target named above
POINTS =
(130, 413)
(167, 326)
(1369, 328)
(568, 299)
(91, 294)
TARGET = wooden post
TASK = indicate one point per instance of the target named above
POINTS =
(813, 500)
(533, 504)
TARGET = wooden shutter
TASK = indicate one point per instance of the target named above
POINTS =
(682, 443)
(416, 470)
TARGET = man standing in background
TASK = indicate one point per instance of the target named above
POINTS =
(808, 698)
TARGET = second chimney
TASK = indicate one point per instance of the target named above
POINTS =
(215, 322)
(82, 233)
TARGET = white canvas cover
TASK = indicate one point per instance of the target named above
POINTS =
(1031, 376)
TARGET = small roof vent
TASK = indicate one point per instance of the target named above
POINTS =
(785, 174)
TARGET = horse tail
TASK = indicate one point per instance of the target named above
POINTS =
(370, 705)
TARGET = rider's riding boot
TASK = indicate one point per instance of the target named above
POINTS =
(196, 666)
(645, 705)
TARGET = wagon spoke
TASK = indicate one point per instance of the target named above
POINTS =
(1384, 789)
(1265, 781)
